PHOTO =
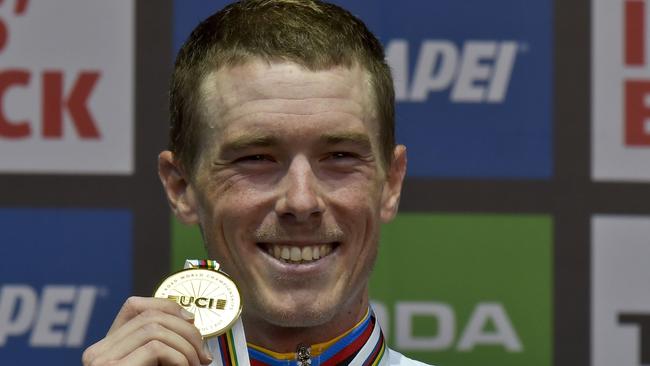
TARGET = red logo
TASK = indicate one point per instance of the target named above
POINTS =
(637, 92)
(54, 101)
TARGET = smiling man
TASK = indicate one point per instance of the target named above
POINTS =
(282, 151)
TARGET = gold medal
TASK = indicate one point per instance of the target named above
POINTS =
(209, 294)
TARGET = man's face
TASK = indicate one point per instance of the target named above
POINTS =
(290, 188)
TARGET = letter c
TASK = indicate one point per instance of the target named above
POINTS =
(11, 79)
(200, 299)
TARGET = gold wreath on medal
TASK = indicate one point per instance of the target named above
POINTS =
(209, 294)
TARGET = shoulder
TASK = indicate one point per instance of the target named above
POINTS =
(398, 359)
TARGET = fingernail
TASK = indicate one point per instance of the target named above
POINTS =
(187, 315)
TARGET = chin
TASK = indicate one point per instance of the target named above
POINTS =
(300, 319)
(298, 314)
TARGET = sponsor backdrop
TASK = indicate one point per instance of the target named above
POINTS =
(621, 313)
(60, 285)
(82, 222)
(67, 87)
(621, 79)
(522, 238)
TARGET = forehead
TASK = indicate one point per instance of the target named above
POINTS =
(258, 90)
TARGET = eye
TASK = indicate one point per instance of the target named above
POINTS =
(254, 158)
(337, 155)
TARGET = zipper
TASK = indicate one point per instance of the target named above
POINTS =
(303, 355)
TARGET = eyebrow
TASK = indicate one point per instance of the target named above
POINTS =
(355, 138)
(249, 141)
(262, 140)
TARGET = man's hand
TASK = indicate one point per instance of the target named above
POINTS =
(151, 332)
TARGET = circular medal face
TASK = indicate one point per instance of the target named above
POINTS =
(211, 295)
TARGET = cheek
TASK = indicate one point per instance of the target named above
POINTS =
(237, 212)
(361, 196)
(357, 209)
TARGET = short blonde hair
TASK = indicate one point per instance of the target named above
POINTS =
(314, 34)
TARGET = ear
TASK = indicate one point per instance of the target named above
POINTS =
(179, 190)
(393, 185)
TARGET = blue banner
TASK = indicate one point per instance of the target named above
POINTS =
(64, 275)
(473, 81)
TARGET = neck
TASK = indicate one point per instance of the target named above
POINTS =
(287, 339)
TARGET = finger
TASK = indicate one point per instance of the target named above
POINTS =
(155, 353)
(134, 306)
(128, 337)
(154, 332)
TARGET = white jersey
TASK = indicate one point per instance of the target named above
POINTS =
(397, 359)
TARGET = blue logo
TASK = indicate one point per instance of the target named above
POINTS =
(65, 274)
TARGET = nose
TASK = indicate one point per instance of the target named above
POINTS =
(300, 198)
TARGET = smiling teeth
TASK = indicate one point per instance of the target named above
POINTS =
(296, 254)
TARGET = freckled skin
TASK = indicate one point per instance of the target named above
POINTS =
(292, 156)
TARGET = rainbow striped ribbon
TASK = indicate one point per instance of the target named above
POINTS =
(201, 263)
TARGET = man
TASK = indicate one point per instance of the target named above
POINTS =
(282, 150)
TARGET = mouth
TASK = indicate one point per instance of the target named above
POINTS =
(299, 254)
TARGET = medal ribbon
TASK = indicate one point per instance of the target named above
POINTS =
(228, 349)
(363, 345)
